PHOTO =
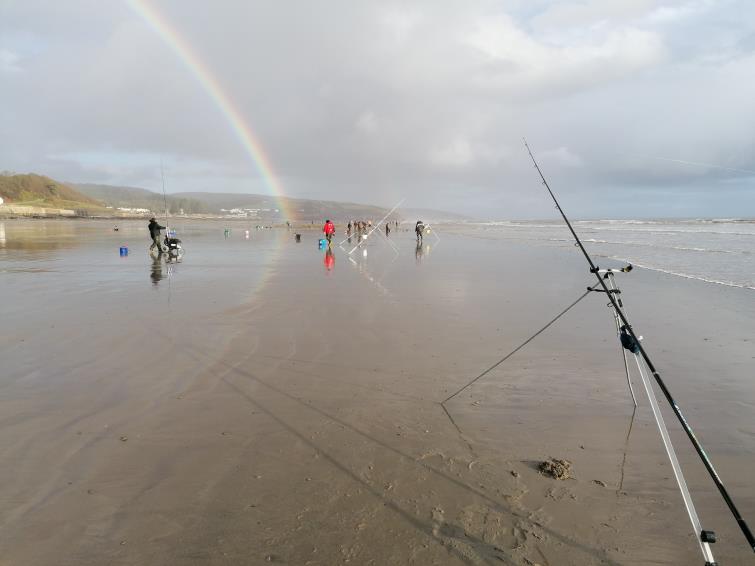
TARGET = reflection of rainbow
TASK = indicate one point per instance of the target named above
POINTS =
(213, 88)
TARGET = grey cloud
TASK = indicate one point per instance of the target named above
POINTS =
(374, 101)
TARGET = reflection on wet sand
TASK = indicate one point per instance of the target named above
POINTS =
(156, 268)
(156, 271)
(329, 260)
(34, 241)
(33, 247)
(344, 445)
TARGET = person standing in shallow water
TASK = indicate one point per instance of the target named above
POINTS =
(419, 229)
(387, 229)
(329, 229)
(154, 233)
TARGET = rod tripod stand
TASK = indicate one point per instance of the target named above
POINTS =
(630, 346)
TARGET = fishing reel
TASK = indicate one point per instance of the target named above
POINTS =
(605, 272)
(629, 343)
(608, 275)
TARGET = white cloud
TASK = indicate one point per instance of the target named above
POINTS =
(458, 153)
(367, 123)
(672, 14)
(9, 61)
(561, 156)
(462, 153)
(519, 60)
(351, 100)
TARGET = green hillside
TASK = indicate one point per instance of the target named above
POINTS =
(38, 190)
(133, 197)
(302, 210)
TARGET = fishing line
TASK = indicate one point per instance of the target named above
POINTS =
(613, 287)
(434, 233)
(364, 239)
(515, 350)
(458, 429)
(703, 537)
(387, 239)
(700, 164)
(165, 198)
(626, 446)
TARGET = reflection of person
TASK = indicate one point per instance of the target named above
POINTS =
(329, 229)
(154, 233)
(418, 252)
(419, 229)
(156, 274)
(330, 259)
(387, 229)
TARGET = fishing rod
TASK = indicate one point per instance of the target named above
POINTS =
(364, 238)
(629, 337)
(165, 198)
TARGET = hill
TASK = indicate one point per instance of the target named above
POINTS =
(133, 197)
(267, 208)
(40, 191)
(430, 215)
(263, 208)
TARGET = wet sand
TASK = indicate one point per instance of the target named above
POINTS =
(250, 406)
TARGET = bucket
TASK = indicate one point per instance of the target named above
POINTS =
(298, 237)
(123, 251)
(322, 243)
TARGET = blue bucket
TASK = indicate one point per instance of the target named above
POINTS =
(323, 243)
(124, 251)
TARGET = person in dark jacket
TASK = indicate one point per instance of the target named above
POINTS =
(419, 229)
(154, 233)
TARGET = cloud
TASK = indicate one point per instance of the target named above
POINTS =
(517, 60)
(367, 123)
(9, 61)
(374, 101)
(561, 156)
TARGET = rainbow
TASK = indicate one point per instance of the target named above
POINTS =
(224, 103)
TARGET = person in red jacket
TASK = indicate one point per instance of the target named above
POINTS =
(329, 229)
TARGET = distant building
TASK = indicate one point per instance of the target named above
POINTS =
(135, 210)
(243, 212)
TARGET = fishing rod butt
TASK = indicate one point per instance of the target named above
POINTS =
(747, 532)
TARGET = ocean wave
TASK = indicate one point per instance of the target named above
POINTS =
(651, 226)
(654, 246)
(684, 275)
(673, 231)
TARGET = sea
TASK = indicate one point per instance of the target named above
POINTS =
(718, 251)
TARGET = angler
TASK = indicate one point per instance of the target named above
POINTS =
(329, 229)
(154, 233)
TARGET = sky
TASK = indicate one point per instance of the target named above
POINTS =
(633, 108)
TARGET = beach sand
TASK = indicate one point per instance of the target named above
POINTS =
(251, 406)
